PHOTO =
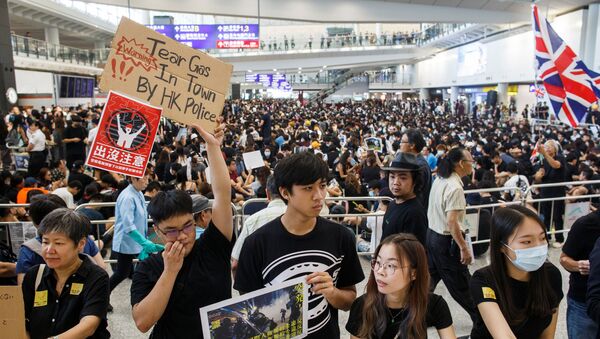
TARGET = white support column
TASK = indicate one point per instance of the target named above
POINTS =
(503, 93)
(377, 30)
(453, 94)
(424, 94)
(51, 35)
(590, 47)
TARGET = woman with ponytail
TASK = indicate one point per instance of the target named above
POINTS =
(397, 302)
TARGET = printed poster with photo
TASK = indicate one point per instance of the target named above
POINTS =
(374, 144)
(21, 161)
(19, 233)
(125, 136)
(279, 311)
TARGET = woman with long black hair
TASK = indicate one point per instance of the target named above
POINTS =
(397, 302)
(518, 294)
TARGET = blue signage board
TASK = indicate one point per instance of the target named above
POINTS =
(278, 81)
(212, 36)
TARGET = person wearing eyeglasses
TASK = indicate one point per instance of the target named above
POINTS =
(397, 302)
(170, 287)
(447, 248)
(519, 293)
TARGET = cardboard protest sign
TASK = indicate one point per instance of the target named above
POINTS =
(189, 85)
(253, 160)
(12, 312)
(125, 136)
(278, 311)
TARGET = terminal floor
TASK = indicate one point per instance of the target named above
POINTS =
(121, 325)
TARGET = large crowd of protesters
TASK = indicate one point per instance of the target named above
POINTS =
(359, 149)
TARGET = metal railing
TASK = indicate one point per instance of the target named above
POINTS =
(335, 217)
(524, 200)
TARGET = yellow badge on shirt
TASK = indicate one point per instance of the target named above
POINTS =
(488, 293)
(76, 289)
(40, 299)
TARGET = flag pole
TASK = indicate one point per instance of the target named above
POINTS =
(535, 66)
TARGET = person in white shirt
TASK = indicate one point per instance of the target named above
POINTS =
(274, 209)
(36, 149)
(515, 180)
(67, 193)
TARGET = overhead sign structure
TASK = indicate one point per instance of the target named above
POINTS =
(212, 36)
(125, 136)
(189, 85)
(278, 81)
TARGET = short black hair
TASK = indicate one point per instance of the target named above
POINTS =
(415, 137)
(169, 204)
(110, 180)
(4, 211)
(76, 184)
(300, 169)
(272, 187)
(41, 205)
(153, 185)
(512, 167)
(74, 225)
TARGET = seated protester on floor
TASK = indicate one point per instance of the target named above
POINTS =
(518, 294)
(202, 211)
(31, 188)
(397, 301)
(30, 253)
(68, 296)
(170, 287)
(300, 243)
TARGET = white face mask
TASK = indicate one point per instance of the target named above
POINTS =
(529, 259)
(267, 154)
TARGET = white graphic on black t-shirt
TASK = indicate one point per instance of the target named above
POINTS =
(300, 264)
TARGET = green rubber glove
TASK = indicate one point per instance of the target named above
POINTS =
(147, 245)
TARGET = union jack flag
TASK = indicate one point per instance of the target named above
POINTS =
(571, 86)
(539, 92)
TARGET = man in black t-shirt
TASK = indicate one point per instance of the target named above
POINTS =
(75, 138)
(405, 214)
(300, 243)
(575, 259)
(169, 288)
(554, 170)
(412, 142)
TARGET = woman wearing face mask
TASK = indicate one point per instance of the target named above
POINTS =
(518, 294)
(397, 302)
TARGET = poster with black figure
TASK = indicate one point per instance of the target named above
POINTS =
(125, 136)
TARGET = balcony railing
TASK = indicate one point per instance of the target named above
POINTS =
(39, 49)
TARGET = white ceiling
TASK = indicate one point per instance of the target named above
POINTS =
(359, 11)
(555, 6)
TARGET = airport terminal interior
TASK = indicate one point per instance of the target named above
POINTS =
(440, 158)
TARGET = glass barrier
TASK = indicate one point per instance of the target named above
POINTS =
(39, 49)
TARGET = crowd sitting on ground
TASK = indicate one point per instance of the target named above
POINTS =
(398, 150)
